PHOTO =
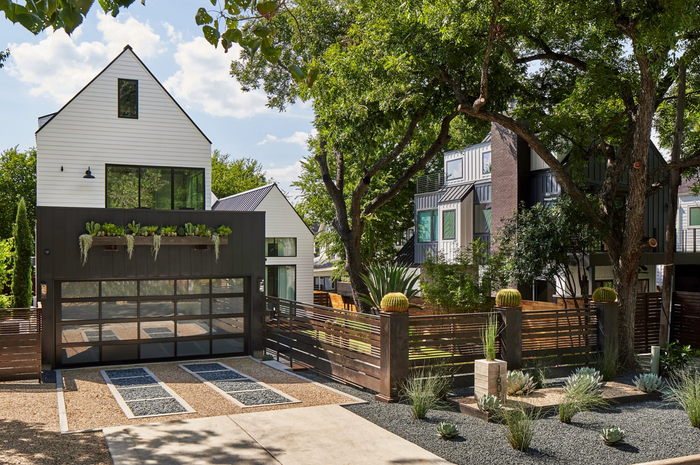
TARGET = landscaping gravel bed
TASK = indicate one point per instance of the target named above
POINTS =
(142, 408)
(198, 367)
(262, 397)
(125, 383)
(242, 385)
(220, 375)
(154, 392)
(125, 373)
(654, 431)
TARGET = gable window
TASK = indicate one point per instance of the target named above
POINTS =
(128, 106)
(280, 246)
(155, 188)
(448, 225)
(427, 226)
(486, 162)
(454, 169)
(694, 216)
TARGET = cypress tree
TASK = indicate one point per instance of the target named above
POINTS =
(24, 249)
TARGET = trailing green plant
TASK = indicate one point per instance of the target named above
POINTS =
(649, 382)
(134, 227)
(112, 230)
(223, 231)
(488, 336)
(684, 391)
(612, 435)
(385, 279)
(608, 364)
(216, 240)
(582, 392)
(489, 404)
(93, 228)
(508, 298)
(675, 358)
(604, 295)
(519, 383)
(190, 230)
(130, 245)
(447, 430)
(394, 302)
(520, 426)
(156, 246)
(169, 231)
(422, 392)
(85, 243)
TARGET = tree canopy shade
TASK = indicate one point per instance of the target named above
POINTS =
(231, 176)
(17, 180)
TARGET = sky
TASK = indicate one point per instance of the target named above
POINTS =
(45, 71)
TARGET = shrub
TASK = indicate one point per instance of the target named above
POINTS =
(612, 435)
(384, 279)
(675, 358)
(582, 392)
(520, 426)
(24, 249)
(4, 301)
(488, 337)
(684, 391)
(422, 390)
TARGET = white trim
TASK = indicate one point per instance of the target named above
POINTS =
(62, 417)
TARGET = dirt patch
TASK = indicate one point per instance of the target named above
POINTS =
(90, 404)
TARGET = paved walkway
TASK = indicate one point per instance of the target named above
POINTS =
(323, 435)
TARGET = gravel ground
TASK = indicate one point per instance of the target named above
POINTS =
(653, 429)
(262, 397)
(199, 367)
(220, 375)
(127, 383)
(242, 385)
(125, 373)
(151, 392)
(142, 408)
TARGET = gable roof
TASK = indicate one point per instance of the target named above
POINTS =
(246, 201)
(127, 48)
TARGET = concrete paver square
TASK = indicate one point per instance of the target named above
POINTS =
(201, 441)
(329, 434)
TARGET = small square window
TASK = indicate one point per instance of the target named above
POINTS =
(455, 169)
(128, 98)
(694, 216)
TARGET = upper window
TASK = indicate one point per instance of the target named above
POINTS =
(694, 216)
(455, 169)
(155, 188)
(449, 230)
(128, 98)
(427, 226)
(486, 162)
(280, 246)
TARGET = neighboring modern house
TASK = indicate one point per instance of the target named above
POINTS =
(688, 237)
(483, 184)
(123, 150)
(289, 243)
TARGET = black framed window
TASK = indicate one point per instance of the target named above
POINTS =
(128, 101)
(280, 246)
(694, 217)
(449, 227)
(157, 188)
(281, 281)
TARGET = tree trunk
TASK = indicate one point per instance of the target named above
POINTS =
(355, 269)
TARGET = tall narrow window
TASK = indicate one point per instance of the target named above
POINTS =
(449, 230)
(427, 226)
(281, 281)
(486, 162)
(128, 98)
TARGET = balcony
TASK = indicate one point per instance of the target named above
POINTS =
(432, 182)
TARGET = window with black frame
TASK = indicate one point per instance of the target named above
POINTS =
(155, 187)
(280, 246)
(128, 100)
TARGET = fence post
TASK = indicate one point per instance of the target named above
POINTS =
(607, 326)
(512, 336)
(393, 364)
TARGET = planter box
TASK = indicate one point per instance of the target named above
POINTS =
(165, 240)
(490, 378)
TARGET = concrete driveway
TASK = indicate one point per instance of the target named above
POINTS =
(323, 435)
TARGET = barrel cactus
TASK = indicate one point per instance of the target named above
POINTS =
(649, 382)
(604, 294)
(520, 384)
(489, 403)
(395, 302)
(447, 430)
(508, 298)
(612, 435)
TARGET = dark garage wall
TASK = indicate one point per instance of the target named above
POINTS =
(58, 255)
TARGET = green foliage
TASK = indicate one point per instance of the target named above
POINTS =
(93, 228)
(489, 404)
(612, 435)
(169, 231)
(447, 430)
(539, 372)
(24, 250)
(190, 230)
(520, 383)
(5, 301)
(604, 294)
(608, 364)
(520, 426)
(423, 390)
(684, 391)
(135, 228)
(384, 279)
(223, 231)
(156, 246)
(3, 56)
(675, 358)
(233, 176)
(111, 229)
(202, 230)
(17, 180)
(466, 284)
(488, 335)
(582, 392)
(85, 243)
(7, 254)
(649, 382)
(180, 231)
(508, 298)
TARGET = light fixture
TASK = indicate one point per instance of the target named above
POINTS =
(261, 285)
(88, 174)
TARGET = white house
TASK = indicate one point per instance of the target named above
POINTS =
(123, 142)
(688, 219)
(289, 243)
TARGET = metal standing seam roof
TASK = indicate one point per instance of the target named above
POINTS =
(245, 201)
(454, 192)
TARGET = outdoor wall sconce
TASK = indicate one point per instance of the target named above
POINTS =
(44, 290)
(261, 285)
(88, 174)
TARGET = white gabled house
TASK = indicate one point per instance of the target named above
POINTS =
(289, 243)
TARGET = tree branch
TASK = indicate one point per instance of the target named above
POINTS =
(693, 160)
(484, 88)
(547, 54)
(336, 195)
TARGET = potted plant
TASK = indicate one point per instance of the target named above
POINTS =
(489, 372)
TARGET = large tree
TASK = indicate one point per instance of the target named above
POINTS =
(17, 180)
(234, 175)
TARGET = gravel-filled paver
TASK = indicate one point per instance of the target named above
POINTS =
(126, 383)
(262, 397)
(126, 373)
(151, 392)
(242, 385)
(654, 431)
(107, 335)
(199, 367)
(220, 375)
(142, 408)
(158, 332)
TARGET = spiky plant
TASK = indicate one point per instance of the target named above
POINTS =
(394, 302)
(604, 295)
(384, 279)
(612, 435)
(520, 426)
(488, 337)
(447, 430)
(684, 391)
(649, 382)
(519, 383)
(608, 364)
(489, 404)
(422, 392)
(582, 392)
(589, 372)
(508, 298)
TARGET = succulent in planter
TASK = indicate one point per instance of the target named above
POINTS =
(508, 298)
(223, 231)
(169, 231)
(202, 230)
(489, 404)
(519, 383)
(447, 430)
(612, 435)
(395, 302)
(112, 230)
(181, 232)
(190, 230)
(604, 295)
(134, 227)
(150, 230)
(93, 228)
(649, 382)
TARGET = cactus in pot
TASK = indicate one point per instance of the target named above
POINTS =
(508, 298)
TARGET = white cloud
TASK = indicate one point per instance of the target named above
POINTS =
(286, 174)
(174, 36)
(299, 138)
(203, 82)
(60, 65)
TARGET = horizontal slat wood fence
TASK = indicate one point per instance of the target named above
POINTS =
(20, 344)
(685, 318)
(647, 321)
(337, 342)
(562, 335)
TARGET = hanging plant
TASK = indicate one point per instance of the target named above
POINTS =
(85, 242)
(156, 246)
(130, 245)
(216, 240)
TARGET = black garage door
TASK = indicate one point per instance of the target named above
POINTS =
(113, 321)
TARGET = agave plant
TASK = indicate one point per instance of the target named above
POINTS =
(590, 372)
(612, 435)
(489, 404)
(447, 430)
(519, 383)
(383, 279)
(585, 382)
(649, 382)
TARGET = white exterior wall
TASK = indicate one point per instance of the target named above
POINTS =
(472, 164)
(685, 232)
(536, 163)
(281, 220)
(87, 132)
